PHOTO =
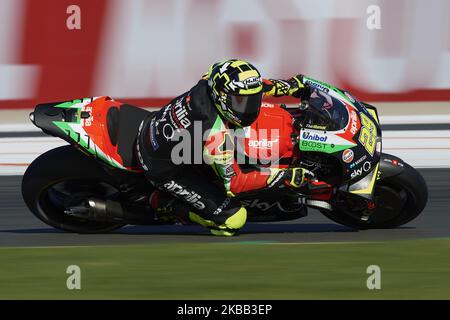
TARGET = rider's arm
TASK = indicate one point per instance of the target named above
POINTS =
(234, 180)
(278, 88)
(219, 153)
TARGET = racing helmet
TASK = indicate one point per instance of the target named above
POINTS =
(236, 89)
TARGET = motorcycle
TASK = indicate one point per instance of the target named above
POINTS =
(95, 184)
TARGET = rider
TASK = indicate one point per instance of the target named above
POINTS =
(227, 97)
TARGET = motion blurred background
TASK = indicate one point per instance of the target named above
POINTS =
(147, 51)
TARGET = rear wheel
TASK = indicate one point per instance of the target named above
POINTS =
(398, 200)
(61, 178)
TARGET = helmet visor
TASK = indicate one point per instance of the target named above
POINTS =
(246, 108)
(246, 104)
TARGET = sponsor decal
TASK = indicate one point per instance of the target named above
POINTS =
(394, 162)
(322, 143)
(153, 140)
(222, 206)
(179, 114)
(229, 171)
(317, 85)
(189, 196)
(357, 162)
(262, 144)
(349, 96)
(313, 137)
(354, 122)
(140, 158)
(265, 206)
(168, 131)
(157, 120)
(315, 126)
(365, 168)
(267, 105)
(277, 179)
(252, 82)
(347, 155)
(87, 122)
(310, 145)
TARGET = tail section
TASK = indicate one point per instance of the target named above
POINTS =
(90, 124)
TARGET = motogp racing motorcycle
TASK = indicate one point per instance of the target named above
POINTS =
(95, 185)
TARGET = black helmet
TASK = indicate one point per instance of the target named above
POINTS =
(236, 89)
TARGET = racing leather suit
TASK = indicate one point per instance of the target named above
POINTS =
(179, 144)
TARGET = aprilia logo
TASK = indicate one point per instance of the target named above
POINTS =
(190, 196)
(354, 123)
(179, 115)
(264, 143)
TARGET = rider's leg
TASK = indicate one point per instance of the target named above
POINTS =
(208, 204)
(204, 202)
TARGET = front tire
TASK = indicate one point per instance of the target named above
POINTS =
(399, 199)
(44, 181)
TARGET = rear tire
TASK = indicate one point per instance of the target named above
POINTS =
(401, 199)
(59, 166)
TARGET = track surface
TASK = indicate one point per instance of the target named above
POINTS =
(18, 227)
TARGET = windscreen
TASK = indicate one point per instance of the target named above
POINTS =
(325, 112)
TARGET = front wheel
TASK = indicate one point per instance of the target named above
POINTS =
(398, 199)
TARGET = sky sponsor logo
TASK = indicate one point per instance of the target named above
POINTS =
(365, 168)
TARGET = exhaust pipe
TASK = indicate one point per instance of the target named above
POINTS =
(96, 209)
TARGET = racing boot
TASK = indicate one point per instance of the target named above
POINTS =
(233, 223)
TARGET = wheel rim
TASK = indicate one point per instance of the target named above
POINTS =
(390, 203)
(54, 199)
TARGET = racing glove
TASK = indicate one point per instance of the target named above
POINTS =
(291, 177)
(297, 88)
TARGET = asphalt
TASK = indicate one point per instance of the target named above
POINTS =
(19, 228)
